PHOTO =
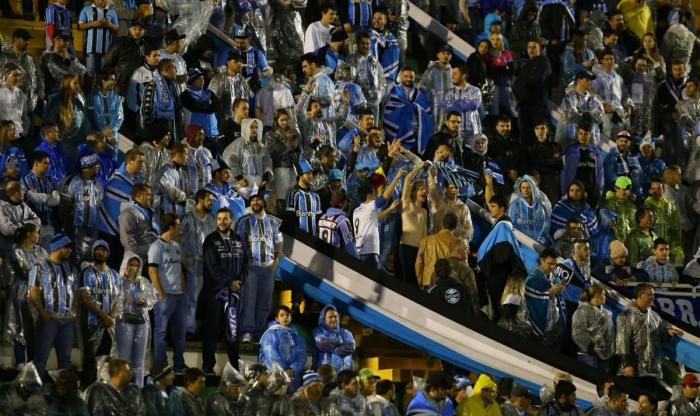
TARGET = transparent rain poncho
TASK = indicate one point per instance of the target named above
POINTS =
(24, 396)
(221, 402)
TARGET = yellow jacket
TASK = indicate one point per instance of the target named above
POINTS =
(474, 406)
(637, 17)
(432, 248)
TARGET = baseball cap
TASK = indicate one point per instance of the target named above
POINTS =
(690, 379)
(172, 35)
(623, 182)
(367, 373)
(22, 34)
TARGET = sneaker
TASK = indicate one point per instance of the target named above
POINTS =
(19, 366)
(180, 370)
(246, 339)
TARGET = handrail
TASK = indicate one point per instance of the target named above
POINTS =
(459, 46)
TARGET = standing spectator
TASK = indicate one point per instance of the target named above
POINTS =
(230, 128)
(447, 201)
(640, 335)
(226, 196)
(482, 400)
(333, 344)
(286, 37)
(466, 99)
(609, 86)
(433, 399)
(281, 344)
(435, 83)
(99, 23)
(14, 212)
(32, 81)
(58, 22)
(168, 277)
(433, 248)
(577, 57)
(578, 103)
(138, 80)
(100, 292)
(688, 401)
(133, 328)
(407, 114)
(619, 202)
(318, 33)
(225, 266)
(49, 143)
(334, 227)
(545, 302)
(640, 241)
(200, 103)
(159, 99)
(230, 85)
(67, 108)
(414, 223)
(370, 74)
(449, 292)
(171, 51)
(574, 205)
(52, 286)
(198, 161)
(284, 145)
(303, 205)
(501, 70)
(170, 193)
(157, 395)
(138, 226)
(41, 193)
(620, 161)
(155, 150)
(126, 54)
(116, 193)
(533, 78)
(105, 107)
(14, 104)
(319, 85)
(545, 157)
(197, 224)
(81, 196)
(583, 162)
(253, 229)
(668, 95)
(667, 220)
(25, 254)
(658, 267)
(58, 62)
(592, 329)
(249, 158)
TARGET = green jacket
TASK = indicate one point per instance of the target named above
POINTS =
(625, 209)
(640, 245)
(667, 225)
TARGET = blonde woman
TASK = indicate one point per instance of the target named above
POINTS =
(514, 308)
(414, 223)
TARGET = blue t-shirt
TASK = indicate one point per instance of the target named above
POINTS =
(166, 257)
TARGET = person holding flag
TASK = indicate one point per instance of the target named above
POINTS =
(407, 114)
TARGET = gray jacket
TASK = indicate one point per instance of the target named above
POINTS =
(638, 340)
(592, 330)
(12, 217)
(136, 232)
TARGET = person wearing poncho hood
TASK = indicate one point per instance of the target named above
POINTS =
(248, 158)
(332, 344)
(24, 395)
(229, 400)
(482, 400)
(528, 211)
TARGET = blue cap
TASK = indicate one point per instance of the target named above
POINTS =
(311, 377)
(59, 241)
(88, 158)
(193, 74)
(462, 382)
(100, 243)
(335, 175)
(302, 166)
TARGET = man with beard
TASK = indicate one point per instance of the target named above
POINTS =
(433, 400)
(466, 100)
(688, 402)
(317, 129)
(262, 238)
(506, 149)
(170, 194)
(117, 396)
(196, 225)
(303, 205)
(100, 297)
(370, 74)
(157, 395)
(449, 135)
(583, 162)
(574, 205)
(407, 114)
(52, 285)
(230, 85)
(667, 221)
(32, 82)
(620, 161)
(320, 86)
(365, 118)
(186, 400)
(226, 196)
(225, 266)
(385, 46)
(159, 98)
(578, 103)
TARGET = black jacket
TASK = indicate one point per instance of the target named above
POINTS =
(223, 262)
(123, 57)
(454, 295)
(532, 81)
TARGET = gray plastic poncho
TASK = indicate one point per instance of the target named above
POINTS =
(638, 340)
(23, 396)
(222, 402)
(592, 330)
(280, 403)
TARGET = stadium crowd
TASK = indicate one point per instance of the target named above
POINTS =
(347, 122)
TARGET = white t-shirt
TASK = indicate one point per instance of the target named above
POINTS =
(366, 225)
(316, 36)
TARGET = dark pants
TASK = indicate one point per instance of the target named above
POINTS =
(407, 257)
(96, 342)
(212, 313)
(116, 251)
(57, 334)
(28, 330)
(495, 284)
(256, 300)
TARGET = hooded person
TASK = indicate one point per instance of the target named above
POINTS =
(258, 380)
(492, 19)
(132, 330)
(248, 158)
(528, 211)
(229, 399)
(116, 395)
(282, 345)
(156, 395)
(618, 201)
(608, 223)
(651, 167)
(482, 401)
(24, 396)
(65, 399)
(198, 162)
(280, 402)
(332, 344)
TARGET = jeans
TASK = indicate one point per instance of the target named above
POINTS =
(256, 300)
(57, 334)
(388, 229)
(213, 314)
(194, 286)
(93, 63)
(172, 309)
(132, 342)
(592, 360)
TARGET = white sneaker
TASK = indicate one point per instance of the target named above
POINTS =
(246, 339)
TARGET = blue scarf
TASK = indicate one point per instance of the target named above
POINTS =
(163, 103)
(148, 214)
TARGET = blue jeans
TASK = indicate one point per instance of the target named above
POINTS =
(93, 64)
(132, 341)
(54, 333)
(194, 286)
(256, 300)
(172, 309)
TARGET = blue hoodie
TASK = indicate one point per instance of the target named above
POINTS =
(531, 219)
(58, 162)
(421, 405)
(333, 346)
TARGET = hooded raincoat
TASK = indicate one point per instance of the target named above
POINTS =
(625, 210)
(532, 218)
(474, 405)
(283, 345)
(248, 156)
(220, 403)
(333, 346)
